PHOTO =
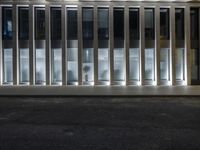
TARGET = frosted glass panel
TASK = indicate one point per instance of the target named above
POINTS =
(194, 63)
(40, 66)
(118, 64)
(24, 65)
(164, 64)
(134, 64)
(8, 65)
(103, 64)
(56, 65)
(179, 64)
(88, 69)
(149, 64)
(72, 64)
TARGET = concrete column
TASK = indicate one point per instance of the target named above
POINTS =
(80, 44)
(95, 45)
(157, 45)
(126, 25)
(172, 46)
(111, 43)
(48, 48)
(142, 45)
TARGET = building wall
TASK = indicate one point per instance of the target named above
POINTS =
(117, 57)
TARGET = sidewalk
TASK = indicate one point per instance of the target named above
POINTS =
(101, 90)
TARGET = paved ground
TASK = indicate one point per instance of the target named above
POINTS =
(100, 123)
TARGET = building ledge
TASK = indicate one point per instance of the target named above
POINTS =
(100, 91)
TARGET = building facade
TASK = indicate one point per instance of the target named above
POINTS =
(88, 42)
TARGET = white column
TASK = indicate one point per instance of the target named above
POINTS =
(95, 46)
(80, 45)
(142, 45)
(111, 35)
(48, 48)
(15, 46)
(31, 45)
(172, 46)
(187, 46)
(126, 32)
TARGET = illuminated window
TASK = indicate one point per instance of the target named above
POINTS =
(119, 44)
(103, 47)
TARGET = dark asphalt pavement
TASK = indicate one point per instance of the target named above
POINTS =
(99, 123)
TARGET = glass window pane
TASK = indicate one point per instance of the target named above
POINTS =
(118, 64)
(88, 23)
(179, 28)
(164, 23)
(149, 24)
(195, 63)
(103, 23)
(23, 23)
(39, 23)
(88, 50)
(24, 65)
(134, 44)
(103, 48)
(72, 25)
(88, 63)
(56, 65)
(103, 64)
(8, 65)
(149, 64)
(72, 45)
(72, 65)
(55, 23)
(40, 66)
(7, 23)
(179, 23)
(194, 30)
(164, 64)
(119, 44)
(134, 33)
(179, 64)
(134, 64)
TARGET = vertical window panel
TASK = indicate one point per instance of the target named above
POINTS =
(56, 50)
(72, 45)
(180, 40)
(164, 43)
(103, 47)
(7, 65)
(149, 44)
(40, 67)
(119, 44)
(194, 36)
(88, 50)
(24, 65)
(56, 65)
(134, 37)
(164, 63)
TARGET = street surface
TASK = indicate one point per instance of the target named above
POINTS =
(99, 123)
